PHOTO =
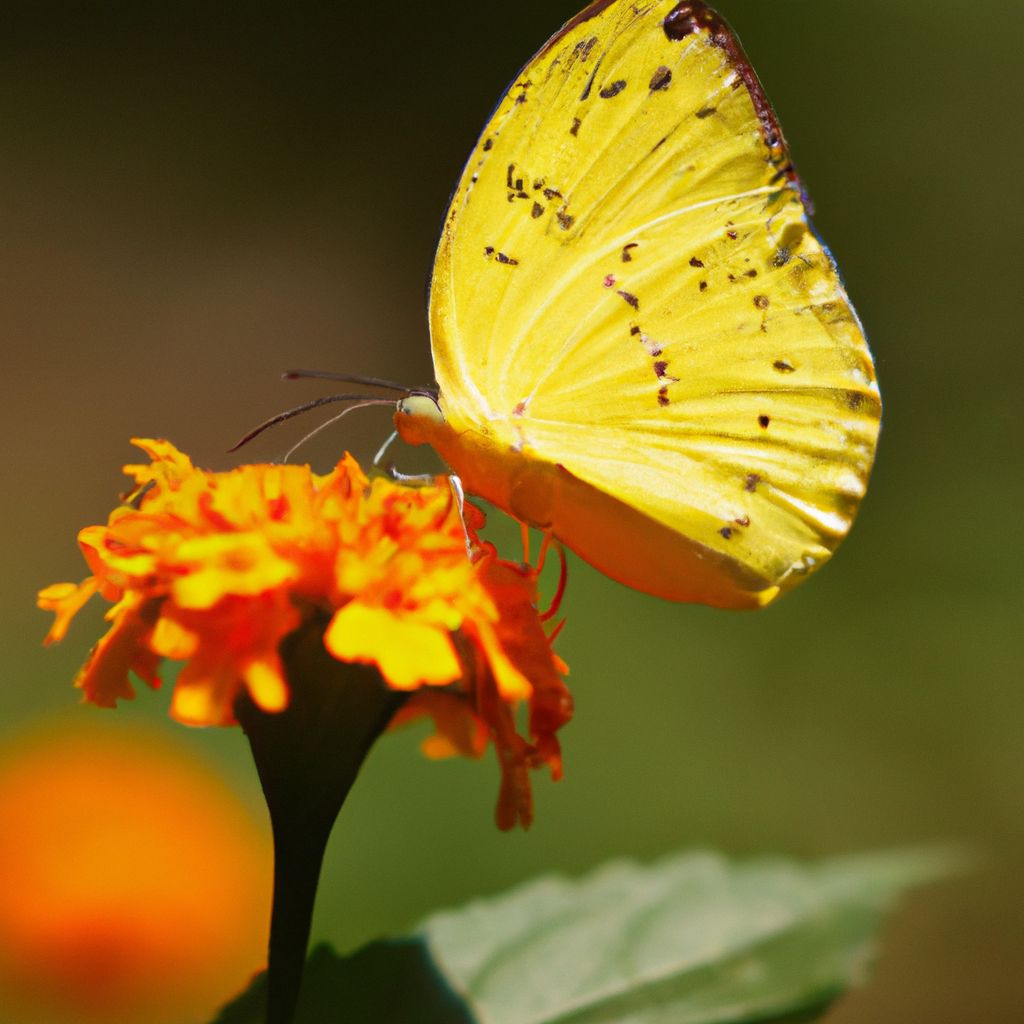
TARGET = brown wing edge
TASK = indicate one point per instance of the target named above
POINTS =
(692, 16)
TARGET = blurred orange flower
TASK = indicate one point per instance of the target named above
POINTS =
(215, 569)
(135, 885)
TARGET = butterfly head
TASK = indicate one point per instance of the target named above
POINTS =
(418, 418)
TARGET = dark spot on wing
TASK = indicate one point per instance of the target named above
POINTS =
(663, 398)
(782, 257)
(854, 400)
(761, 301)
(613, 90)
(631, 299)
(731, 235)
(582, 18)
(742, 521)
(609, 281)
(575, 129)
(654, 350)
(751, 483)
(783, 367)
(523, 86)
(763, 421)
(694, 262)
(686, 18)
(565, 220)
(520, 408)
(500, 257)
(706, 112)
(626, 257)
(552, 193)
(634, 330)
(590, 81)
(537, 211)
(488, 145)
(726, 532)
(660, 365)
(661, 79)
(584, 48)
(703, 286)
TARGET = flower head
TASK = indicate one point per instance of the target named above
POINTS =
(214, 570)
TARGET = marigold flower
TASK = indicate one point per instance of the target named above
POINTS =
(215, 569)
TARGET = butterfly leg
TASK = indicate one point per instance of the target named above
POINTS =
(382, 451)
(545, 546)
(408, 478)
(397, 475)
(460, 501)
(563, 576)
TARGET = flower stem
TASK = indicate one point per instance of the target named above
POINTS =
(308, 757)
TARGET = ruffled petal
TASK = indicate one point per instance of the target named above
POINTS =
(408, 653)
(104, 678)
(65, 600)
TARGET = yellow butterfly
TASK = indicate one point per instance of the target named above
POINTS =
(641, 345)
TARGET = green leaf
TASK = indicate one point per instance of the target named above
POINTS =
(692, 939)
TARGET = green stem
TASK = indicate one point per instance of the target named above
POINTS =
(308, 757)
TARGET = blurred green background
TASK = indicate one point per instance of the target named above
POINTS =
(197, 196)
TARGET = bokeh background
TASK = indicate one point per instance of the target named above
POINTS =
(195, 196)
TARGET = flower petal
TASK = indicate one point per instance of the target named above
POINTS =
(65, 600)
(408, 653)
(267, 685)
(104, 677)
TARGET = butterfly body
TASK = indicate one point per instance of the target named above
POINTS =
(640, 343)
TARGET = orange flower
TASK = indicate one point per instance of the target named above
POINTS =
(215, 569)
(127, 896)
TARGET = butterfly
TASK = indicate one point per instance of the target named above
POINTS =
(640, 343)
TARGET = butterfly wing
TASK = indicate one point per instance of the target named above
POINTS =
(628, 290)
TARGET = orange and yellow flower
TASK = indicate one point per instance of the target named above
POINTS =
(215, 569)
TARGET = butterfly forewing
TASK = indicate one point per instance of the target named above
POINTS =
(627, 286)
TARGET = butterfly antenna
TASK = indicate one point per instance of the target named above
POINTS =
(334, 419)
(347, 378)
(298, 410)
